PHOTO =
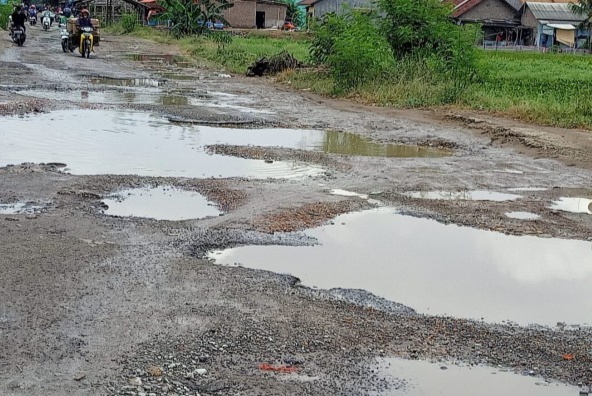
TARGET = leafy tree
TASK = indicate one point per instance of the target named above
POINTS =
(190, 17)
(584, 8)
(295, 13)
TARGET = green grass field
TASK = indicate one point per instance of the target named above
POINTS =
(543, 88)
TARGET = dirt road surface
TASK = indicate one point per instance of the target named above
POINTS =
(99, 305)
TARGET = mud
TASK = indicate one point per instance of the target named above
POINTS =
(91, 302)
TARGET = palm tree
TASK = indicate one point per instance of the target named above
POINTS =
(584, 7)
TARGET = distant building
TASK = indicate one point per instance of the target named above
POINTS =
(260, 14)
(318, 8)
(554, 24)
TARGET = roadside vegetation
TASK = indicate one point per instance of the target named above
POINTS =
(407, 54)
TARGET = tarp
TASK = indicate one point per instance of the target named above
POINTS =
(566, 37)
(562, 26)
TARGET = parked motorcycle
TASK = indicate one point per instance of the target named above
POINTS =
(86, 42)
(18, 36)
(46, 22)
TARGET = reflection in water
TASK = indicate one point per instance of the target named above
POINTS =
(173, 100)
(127, 82)
(440, 269)
(18, 208)
(124, 142)
(423, 378)
(573, 205)
(477, 195)
(351, 144)
(523, 215)
(161, 203)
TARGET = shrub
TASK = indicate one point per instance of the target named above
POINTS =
(129, 22)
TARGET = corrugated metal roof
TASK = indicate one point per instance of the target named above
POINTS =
(554, 11)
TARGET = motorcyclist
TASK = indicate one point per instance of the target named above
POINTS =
(47, 13)
(84, 19)
(63, 20)
(18, 18)
(33, 12)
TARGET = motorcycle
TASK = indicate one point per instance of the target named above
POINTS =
(66, 41)
(46, 22)
(33, 20)
(18, 35)
(86, 41)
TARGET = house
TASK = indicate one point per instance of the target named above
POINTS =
(316, 9)
(500, 20)
(260, 14)
(111, 10)
(554, 24)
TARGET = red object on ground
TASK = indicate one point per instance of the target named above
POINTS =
(280, 369)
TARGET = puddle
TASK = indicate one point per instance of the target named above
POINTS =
(18, 208)
(124, 142)
(114, 97)
(179, 77)
(439, 269)
(337, 142)
(154, 58)
(523, 215)
(421, 378)
(161, 203)
(127, 82)
(573, 205)
(477, 195)
(345, 193)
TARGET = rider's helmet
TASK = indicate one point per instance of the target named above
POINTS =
(33, 6)
(17, 8)
(84, 11)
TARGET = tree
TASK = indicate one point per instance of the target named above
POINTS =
(295, 13)
(584, 8)
(190, 17)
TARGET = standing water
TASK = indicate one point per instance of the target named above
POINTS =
(439, 269)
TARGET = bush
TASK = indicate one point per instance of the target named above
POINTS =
(129, 22)
(5, 11)
(325, 33)
(360, 53)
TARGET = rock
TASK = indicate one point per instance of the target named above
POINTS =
(11, 219)
(79, 376)
(31, 216)
(154, 371)
(136, 381)
(200, 371)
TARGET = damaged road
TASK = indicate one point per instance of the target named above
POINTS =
(98, 305)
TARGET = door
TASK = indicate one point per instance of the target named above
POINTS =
(260, 19)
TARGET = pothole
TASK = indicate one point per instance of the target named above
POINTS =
(19, 208)
(573, 205)
(124, 142)
(160, 203)
(523, 215)
(160, 59)
(476, 195)
(127, 82)
(337, 142)
(527, 189)
(115, 97)
(419, 378)
(439, 269)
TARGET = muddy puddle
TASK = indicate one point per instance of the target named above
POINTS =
(19, 208)
(127, 82)
(573, 205)
(338, 142)
(111, 97)
(439, 269)
(160, 203)
(477, 195)
(523, 215)
(124, 142)
(160, 59)
(421, 378)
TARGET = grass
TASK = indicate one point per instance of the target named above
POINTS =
(543, 88)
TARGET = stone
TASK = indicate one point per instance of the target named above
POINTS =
(200, 371)
(154, 371)
(136, 381)
(79, 376)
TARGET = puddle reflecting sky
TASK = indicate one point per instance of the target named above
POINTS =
(573, 205)
(523, 215)
(161, 203)
(440, 269)
(428, 379)
(113, 142)
(18, 208)
(476, 195)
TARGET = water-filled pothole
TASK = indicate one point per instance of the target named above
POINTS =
(127, 82)
(115, 97)
(19, 208)
(573, 205)
(338, 142)
(439, 269)
(421, 378)
(523, 215)
(477, 195)
(124, 142)
(160, 58)
(160, 203)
